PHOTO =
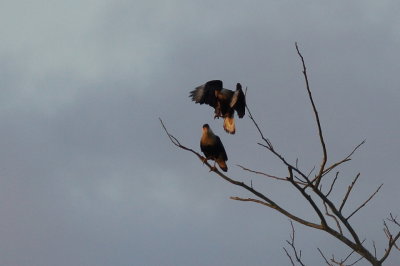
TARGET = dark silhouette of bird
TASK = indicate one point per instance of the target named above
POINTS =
(224, 101)
(212, 147)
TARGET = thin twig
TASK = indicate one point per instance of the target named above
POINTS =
(297, 254)
(299, 181)
(334, 218)
(365, 202)
(323, 256)
(360, 258)
(287, 254)
(342, 261)
(267, 175)
(392, 239)
(348, 256)
(348, 192)
(176, 142)
(394, 221)
(284, 212)
(321, 137)
(347, 158)
(312, 170)
(308, 198)
(334, 260)
(269, 144)
(253, 200)
(332, 185)
(392, 242)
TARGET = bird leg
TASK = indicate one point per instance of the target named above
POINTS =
(217, 111)
(218, 115)
(213, 168)
(205, 159)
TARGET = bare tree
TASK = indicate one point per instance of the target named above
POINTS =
(331, 217)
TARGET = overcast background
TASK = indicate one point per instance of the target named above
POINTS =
(88, 176)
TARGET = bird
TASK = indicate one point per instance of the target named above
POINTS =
(212, 147)
(224, 101)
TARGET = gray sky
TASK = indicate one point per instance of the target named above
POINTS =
(89, 178)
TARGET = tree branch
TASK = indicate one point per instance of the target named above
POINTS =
(348, 256)
(267, 175)
(266, 140)
(323, 256)
(362, 205)
(176, 142)
(281, 210)
(267, 201)
(392, 240)
(334, 218)
(348, 192)
(297, 255)
(332, 185)
(347, 158)
(321, 137)
(308, 198)
(287, 254)
(357, 245)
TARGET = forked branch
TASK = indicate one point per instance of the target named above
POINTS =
(296, 253)
(346, 159)
(391, 238)
(321, 136)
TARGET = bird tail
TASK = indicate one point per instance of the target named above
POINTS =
(229, 125)
(222, 165)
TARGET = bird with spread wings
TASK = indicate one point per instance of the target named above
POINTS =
(224, 101)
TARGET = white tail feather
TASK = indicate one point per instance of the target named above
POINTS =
(229, 125)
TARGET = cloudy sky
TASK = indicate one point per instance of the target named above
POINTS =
(88, 176)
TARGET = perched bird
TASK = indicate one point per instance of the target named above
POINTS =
(224, 101)
(211, 146)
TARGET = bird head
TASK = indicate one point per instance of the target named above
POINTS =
(206, 128)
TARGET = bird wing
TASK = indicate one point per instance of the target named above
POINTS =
(206, 93)
(238, 102)
(221, 149)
